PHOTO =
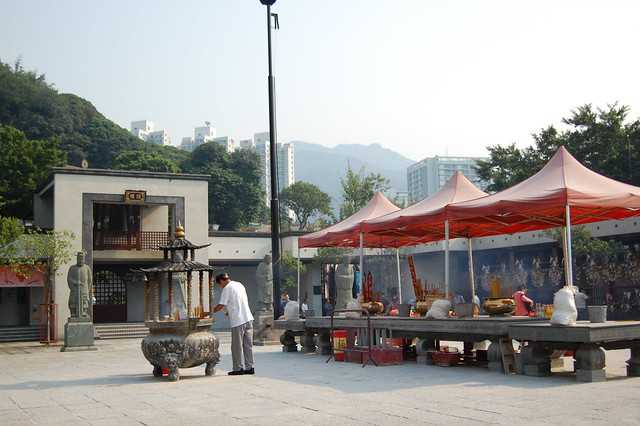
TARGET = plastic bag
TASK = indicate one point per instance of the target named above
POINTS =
(291, 310)
(564, 307)
(439, 309)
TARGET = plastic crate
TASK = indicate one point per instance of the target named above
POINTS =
(384, 356)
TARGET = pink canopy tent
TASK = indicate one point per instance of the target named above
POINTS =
(562, 193)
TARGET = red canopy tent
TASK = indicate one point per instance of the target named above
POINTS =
(427, 221)
(424, 221)
(562, 193)
(347, 232)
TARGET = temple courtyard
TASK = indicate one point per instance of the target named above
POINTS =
(114, 386)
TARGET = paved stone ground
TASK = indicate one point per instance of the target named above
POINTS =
(114, 386)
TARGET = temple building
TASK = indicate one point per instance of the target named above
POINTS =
(119, 218)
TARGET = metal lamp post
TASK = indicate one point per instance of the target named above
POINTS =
(273, 166)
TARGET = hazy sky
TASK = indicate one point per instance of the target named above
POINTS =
(421, 77)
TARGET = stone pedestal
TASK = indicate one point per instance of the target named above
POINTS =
(308, 342)
(288, 340)
(263, 331)
(494, 358)
(424, 347)
(633, 363)
(590, 363)
(536, 360)
(78, 335)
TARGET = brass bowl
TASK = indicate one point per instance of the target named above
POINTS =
(499, 306)
(373, 307)
(422, 306)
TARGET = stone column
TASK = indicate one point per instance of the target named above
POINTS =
(156, 299)
(423, 348)
(633, 363)
(590, 363)
(536, 360)
(324, 341)
(308, 342)
(494, 357)
(170, 296)
(211, 294)
(200, 295)
(189, 300)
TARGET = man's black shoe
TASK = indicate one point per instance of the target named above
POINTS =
(236, 373)
(249, 371)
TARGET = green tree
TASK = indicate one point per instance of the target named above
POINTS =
(136, 160)
(29, 103)
(24, 165)
(235, 196)
(601, 139)
(358, 189)
(289, 270)
(306, 201)
(10, 230)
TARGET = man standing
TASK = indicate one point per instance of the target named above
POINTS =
(234, 299)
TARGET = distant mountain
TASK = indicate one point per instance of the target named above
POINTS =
(324, 166)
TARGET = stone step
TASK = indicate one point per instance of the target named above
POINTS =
(20, 334)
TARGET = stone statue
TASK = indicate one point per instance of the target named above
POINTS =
(79, 331)
(263, 331)
(264, 284)
(344, 283)
(80, 284)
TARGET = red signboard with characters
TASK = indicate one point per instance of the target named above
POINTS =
(27, 276)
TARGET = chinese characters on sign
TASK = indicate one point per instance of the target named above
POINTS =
(131, 196)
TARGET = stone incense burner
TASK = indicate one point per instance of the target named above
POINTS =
(183, 337)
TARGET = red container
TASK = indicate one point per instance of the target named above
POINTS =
(353, 355)
(445, 359)
(384, 356)
(339, 344)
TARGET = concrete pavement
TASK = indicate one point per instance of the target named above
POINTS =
(114, 386)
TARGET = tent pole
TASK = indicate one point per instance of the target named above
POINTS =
(569, 254)
(472, 280)
(298, 274)
(446, 259)
(361, 262)
(399, 280)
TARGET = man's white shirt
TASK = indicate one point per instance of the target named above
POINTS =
(234, 298)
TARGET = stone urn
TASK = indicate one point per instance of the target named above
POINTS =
(179, 344)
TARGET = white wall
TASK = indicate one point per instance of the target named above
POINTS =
(155, 218)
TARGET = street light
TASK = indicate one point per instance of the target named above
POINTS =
(273, 167)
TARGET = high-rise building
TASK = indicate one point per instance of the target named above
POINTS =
(426, 177)
(187, 144)
(286, 166)
(144, 129)
(261, 143)
(247, 144)
(286, 163)
(228, 143)
(201, 135)
(159, 137)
